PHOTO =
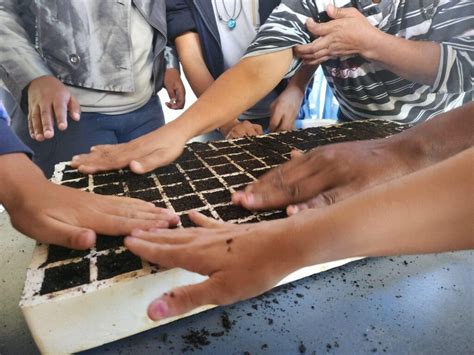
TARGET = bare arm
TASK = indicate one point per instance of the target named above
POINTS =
(426, 212)
(334, 172)
(235, 91)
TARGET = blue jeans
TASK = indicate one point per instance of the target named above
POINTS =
(92, 129)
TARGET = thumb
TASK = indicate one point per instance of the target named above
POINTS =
(338, 12)
(183, 300)
(148, 163)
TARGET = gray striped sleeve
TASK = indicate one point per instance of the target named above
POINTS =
(452, 26)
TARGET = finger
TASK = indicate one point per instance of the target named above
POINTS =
(287, 124)
(148, 163)
(184, 299)
(60, 112)
(317, 61)
(36, 124)
(319, 29)
(30, 124)
(68, 236)
(74, 108)
(258, 129)
(275, 120)
(180, 97)
(203, 221)
(47, 121)
(164, 236)
(338, 12)
(295, 154)
(160, 254)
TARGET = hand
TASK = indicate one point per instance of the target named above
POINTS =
(238, 129)
(285, 109)
(175, 88)
(142, 155)
(49, 100)
(239, 259)
(327, 175)
(349, 33)
(64, 216)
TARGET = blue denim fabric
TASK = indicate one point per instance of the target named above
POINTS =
(93, 129)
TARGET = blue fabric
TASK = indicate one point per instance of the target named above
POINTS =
(319, 102)
(93, 129)
(9, 143)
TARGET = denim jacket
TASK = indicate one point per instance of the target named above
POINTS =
(84, 43)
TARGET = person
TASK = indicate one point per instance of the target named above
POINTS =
(429, 211)
(334, 172)
(210, 40)
(92, 68)
(60, 215)
(438, 71)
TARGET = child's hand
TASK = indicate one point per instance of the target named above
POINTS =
(285, 109)
(237, 129)
(239, 260)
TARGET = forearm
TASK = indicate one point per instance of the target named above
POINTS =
(412, 60)
(437, 139)
(189, 50)
(426, 212)
(235, 91)
(18, 175)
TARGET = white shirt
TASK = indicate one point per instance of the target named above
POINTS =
(234, 43)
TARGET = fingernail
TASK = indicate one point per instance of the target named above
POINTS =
(93, 149)
(137, 233)
(48, 134)
(159, 310)
(62, 126)
(76, 157)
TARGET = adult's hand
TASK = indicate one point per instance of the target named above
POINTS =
(327, 175)
(175, 88)
(237, 129)
(49, 101)
(239, 259)
(285, 109)
(142, 155)
(64, 216)
(349, 33)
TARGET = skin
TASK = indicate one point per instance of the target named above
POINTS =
(284, 109)
(350, 33)
(164, 145)
(243, 261)
(50, 103)
(331, 173)
(64, 216)
(175, 88)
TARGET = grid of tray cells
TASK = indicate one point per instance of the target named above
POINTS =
(203, 178)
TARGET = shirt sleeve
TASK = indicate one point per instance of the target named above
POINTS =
(9, 143)
(179, 18)
(286, 27)
(456, 38)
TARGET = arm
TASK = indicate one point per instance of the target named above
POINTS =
(200, 79)
(54, 214)
(244, 261)
(172, 80)
(350, 33)
(234, 91)
(286, 107)
(334, 172)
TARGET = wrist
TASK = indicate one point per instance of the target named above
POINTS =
(375, 47)
(20, 177)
